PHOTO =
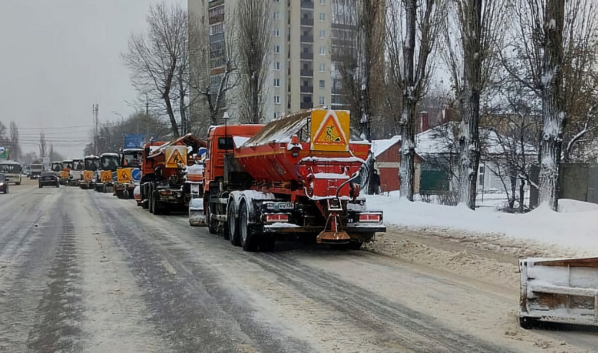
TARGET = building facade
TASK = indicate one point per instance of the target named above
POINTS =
(306, 36)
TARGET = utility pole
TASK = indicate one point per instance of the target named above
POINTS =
(96, 109)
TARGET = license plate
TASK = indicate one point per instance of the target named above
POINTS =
(277, 206)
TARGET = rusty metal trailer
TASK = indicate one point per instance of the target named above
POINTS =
(559, 291)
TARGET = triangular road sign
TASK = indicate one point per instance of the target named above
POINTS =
(330, 132)
(175, 158)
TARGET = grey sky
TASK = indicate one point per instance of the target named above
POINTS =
(61, 56)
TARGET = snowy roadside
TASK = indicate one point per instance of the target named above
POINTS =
(572, 232)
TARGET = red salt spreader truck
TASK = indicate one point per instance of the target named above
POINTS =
(293, 178)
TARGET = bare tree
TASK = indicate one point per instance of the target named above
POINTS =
(410, 74)
(478, 31)
(254, 20)
(15, 148)
(554, 45)
(213, 70)
(42, 145)
(158, 60)
(362, 64)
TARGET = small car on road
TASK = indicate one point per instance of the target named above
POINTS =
(3, 184)
(48, 179)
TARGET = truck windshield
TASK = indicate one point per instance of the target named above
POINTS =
(56, 167)
(110, 163)
(67, 165)
(77, 165)
(132, 159)
(37, 167)
(91, 164)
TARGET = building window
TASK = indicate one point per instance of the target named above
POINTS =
(322, 17)
(276, 99)
(276, 15)
(217, 28)
(277, 49)
(323, 33)
(279, 0)
(276, 82)
(322, 50)
(322, 2)
(322, 84)
(276, 32)
(322, 100)
(322, 67)
(277, 66)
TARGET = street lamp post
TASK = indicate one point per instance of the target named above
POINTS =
(122, 126)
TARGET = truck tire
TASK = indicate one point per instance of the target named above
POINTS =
(150, 200)
(527, 323)
(233, 225)
(245, 232)
(145, 205)
(156, 207)
(212, 226)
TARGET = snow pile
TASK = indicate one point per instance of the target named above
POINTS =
(573, 206)
(576, 230)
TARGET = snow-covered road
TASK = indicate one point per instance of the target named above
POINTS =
(83, 271)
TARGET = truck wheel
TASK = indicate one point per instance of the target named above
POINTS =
(150, 200)
(246, 234)
(212, 226)
(233, 228)
(156, 207)
(145, 196)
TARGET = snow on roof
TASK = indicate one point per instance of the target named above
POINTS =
(443, 139)
(379, 146)
(240, 140)
(281, 130)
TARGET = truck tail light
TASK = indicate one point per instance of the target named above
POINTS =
(277, 218)
(369, 217)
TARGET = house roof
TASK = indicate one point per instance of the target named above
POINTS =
(379, 146)
(443, 139)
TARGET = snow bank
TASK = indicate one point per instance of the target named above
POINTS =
(573, 206)
(576, 229)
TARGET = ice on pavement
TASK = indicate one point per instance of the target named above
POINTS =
(576, 228)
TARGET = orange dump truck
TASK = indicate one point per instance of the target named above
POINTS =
(163, 184)
(293, 178)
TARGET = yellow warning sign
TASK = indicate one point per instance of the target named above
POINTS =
(87, 175)
(175, 155)
(106, 176)
(124, 175)
(330, 130)
(64, 174)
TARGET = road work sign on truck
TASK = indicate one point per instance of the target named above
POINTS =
(175, 155)
(330, 130)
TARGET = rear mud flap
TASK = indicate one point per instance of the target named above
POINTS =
(197, 217)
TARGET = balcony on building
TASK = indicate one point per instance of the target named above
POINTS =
(307, 105)
(306, 55)
(307, 4)
(307, 38)
(307, 73)
(307, 89)
(307, 21)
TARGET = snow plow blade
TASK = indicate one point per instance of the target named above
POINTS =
(197, 217)
(559, 290)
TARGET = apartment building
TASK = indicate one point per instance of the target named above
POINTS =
(308, 38)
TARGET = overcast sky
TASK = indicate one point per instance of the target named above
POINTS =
(61, 56)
